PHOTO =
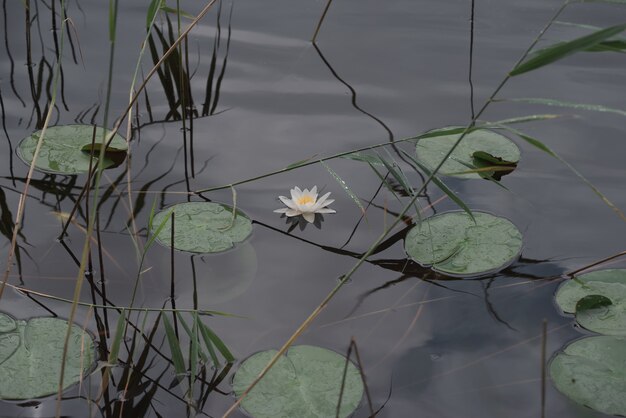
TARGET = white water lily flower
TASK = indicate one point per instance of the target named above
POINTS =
(305, 203)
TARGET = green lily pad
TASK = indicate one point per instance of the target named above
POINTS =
(304, 383)
(592, 372)
(479, 149)
(31, 353)
(453, 244)
(202, 227)
(66, 149)
(604, 318)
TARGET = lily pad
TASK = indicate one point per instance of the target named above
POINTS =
(479, 149)
(304, 383)
(592, 372)
(31, 353)
(202, 227)
(453, 243)
(66, 149)
(604, 318)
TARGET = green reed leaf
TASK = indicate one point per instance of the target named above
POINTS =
(210, 337)
(344, 186)
(153, 8)
(171, 10)
(455, 198)
(560, 103)
(524, 119)
(193, 349)
(397, 173)
(177, 353)
(117, 338)
(545, 148)
(556, 52)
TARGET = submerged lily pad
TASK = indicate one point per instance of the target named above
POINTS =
(304, 383)
(453, 243)
(202, 227)
(592, 372)
(604, 317)
(66, 149)
(31, 353)
(478, 149)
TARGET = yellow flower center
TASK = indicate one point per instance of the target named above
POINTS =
(304, 200)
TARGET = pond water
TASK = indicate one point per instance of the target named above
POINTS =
(430, 345)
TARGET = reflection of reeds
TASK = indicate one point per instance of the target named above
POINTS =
(213, 85)
(9, 55)
(42, 78)
(175, 76)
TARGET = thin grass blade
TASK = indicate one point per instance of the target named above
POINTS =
(398, 174)
(545, 148)
(158, 230)
(455, 198)
(344, 186)
(365, 158)
(384, 181)
(171, 10)
(177, 353)
(524, 119)
(556, 52)
(560, 103)
(193, 349)
(117, 338)
(153, 8)
(299, 163)
(209, 335)
(444, 131)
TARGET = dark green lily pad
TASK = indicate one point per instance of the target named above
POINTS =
(592, 372)
(453, 244)
(604, 318)
(305, 383)
(479, 149)
(202, 227)
(31, 353)
(66, 149)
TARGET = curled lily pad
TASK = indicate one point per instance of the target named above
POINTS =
(31, 356)
(202, 227)
(453, 243)
(304, 383)
(601, 316)
(485, 152)
(592, 372)
(66, 149)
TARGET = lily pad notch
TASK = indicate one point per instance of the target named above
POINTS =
(455, 244)
(202, 227)
(31, 354)
(304, 383)
(597, 299)
(482, 153)
(66, 149)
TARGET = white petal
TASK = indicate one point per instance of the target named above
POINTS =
(309, 216)
(282, 210)
(323, 198)
(314, 192)
(327, 202)
(295, 193)
(291, 212)
(326, 210)
(288, 202)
